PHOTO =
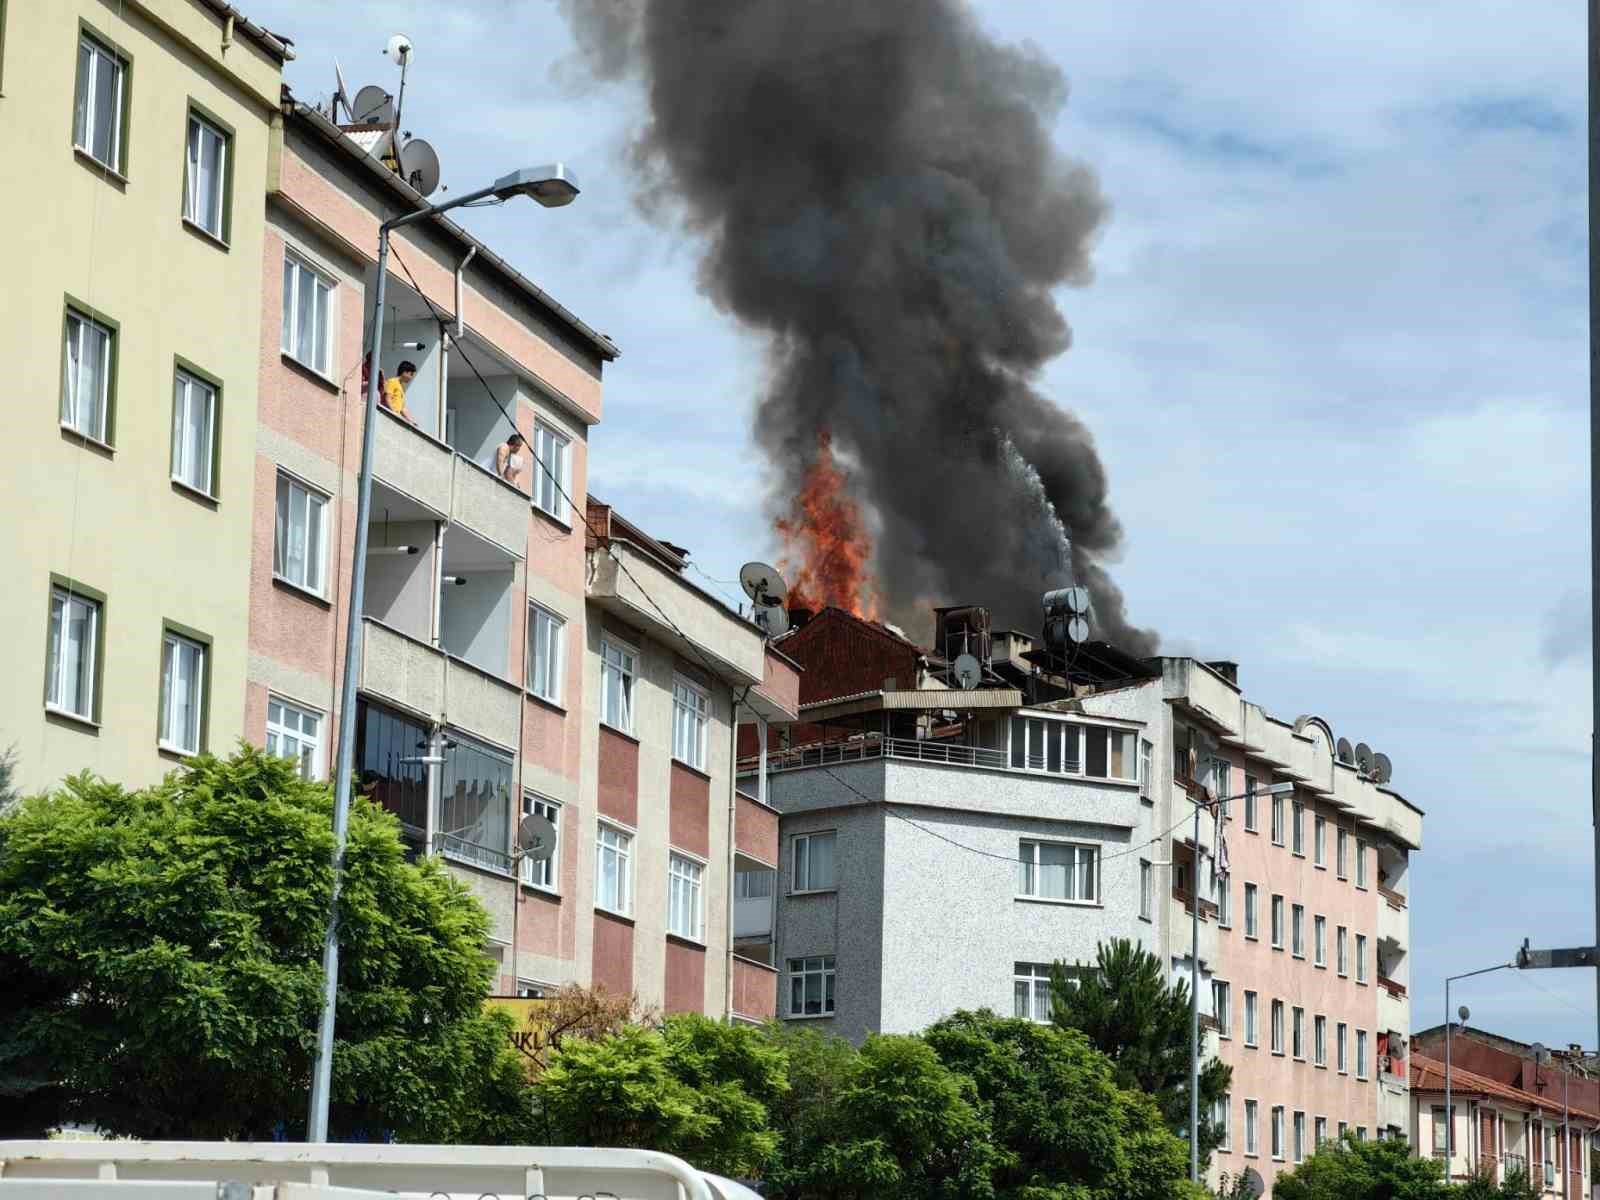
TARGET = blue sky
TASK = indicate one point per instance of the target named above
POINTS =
(1334, 356)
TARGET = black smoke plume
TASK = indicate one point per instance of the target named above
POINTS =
(877, 191)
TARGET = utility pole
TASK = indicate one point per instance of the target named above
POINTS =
(1594, 464)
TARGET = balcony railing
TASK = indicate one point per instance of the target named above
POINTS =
(1208, 908)
(1394, 898)
(1394, 988)
(1515, 1162)
(486, 857)
(931, 750)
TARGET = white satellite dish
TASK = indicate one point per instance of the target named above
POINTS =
(419, 166)
(341, 93)
(968, 671)
(773, 619)
(536, 838)
(398, 49)
(372, 106)
(763, 584)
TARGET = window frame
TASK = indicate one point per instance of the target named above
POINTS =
(1030, 869)
(1297, 930)
(72, 592)
(556, 668)
(1297, 1033)
(625, 854)
(1278, 1027)
(279, 535)
(1222, 1007)
(1278, 1133)
(290, 325)
(557, 482)
(691, 872)
(1252, 911)
(1361, 959)
(317, 772)
(1147, 769)
(99, 43)
(826, 970)
(1341, 1047)
(184, 371)
(207, 120)
(1341, 951)
(1361, 863)
(1147, 890)
(795, 839)
(627, 674)
(1361, 1054)
(180, 637)
(1252, 1030)
(1222, 1119)
(1032, 978)
(1319, 941)
(1252, 805)
(1319, 841)
(1278, 921)
(87, 314)
(693, 705)
(1252, 1131)
(1299, 1135)
(1297, 829)
(1443, 1124)
(1319, 1040)
(1319, 1133)
(1279, 817)
(1342, 854)
(528, 871)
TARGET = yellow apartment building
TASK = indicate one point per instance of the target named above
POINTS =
(135, 136)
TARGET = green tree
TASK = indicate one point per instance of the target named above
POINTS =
(1355, 1170)
(1482, 1186)
(1139, 1019)
(738, 1075)
(1062, 1126)
(162, 950)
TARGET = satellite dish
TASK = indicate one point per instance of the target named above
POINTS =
(1463, 1012)
(1078, 600)
(969, 671)
(419, 166)
(1347, 754)
(763, 584)
(341, 92)
(1077, 629)
(536, 838)
(1254, 1185)
(1364, 757)
(1382, 768)
(773, 619)
(398, 49)
(373, 106)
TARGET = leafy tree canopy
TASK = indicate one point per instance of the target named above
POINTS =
(1354, 1170)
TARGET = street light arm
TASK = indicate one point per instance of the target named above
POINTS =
(433, 210)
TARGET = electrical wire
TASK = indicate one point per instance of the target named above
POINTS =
(1528, 979)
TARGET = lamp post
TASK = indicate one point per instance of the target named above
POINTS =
(1449, 1116)
(552, 186)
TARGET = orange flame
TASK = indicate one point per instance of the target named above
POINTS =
(826, 547)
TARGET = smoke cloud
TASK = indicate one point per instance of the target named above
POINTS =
(877, 192)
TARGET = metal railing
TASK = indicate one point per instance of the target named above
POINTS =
(930, 750)
(1393, 987)
(1394, 898)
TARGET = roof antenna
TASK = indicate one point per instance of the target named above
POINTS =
(340, 94)
(399, 52)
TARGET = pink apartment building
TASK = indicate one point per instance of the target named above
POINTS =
(499, 636)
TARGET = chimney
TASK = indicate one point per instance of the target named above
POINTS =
(1228, 670)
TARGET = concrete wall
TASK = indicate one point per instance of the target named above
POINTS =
(476, 620)
(400, 586)
(422, 397)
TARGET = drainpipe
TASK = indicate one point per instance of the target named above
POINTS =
(516, 808)
(733, 818)
(761, 765)
(444, 341)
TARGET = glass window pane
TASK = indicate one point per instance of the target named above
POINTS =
(286, 340)
(313, 542)
(212, 165)
(80, 116)
(305, 302)
(320, 333)
(107, 84)
(1095, 753)
(1055, 872)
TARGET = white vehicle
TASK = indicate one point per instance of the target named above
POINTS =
(117, 1170)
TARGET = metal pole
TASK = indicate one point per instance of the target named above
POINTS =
(1566, 1133)
(1194, 1006)
(1594, 455)
(322, 1073)
(1449, 1117)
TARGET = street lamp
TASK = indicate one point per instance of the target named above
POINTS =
(1449, 1114)
(552, 186)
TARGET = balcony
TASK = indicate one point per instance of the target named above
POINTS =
(418, 677)
(1393, 987)
(1393, 898)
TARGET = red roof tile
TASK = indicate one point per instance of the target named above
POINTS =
(1427, 1075)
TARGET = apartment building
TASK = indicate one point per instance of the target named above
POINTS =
(133, 259)
(1509, 1111)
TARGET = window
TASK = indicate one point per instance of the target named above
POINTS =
(550, 452)
(74, 654)
(1361, 1054)
(1277, 922)
(183, 665)
(811, 986)
(1108, 753)
(1342, 855)
(1219, 1120)
(1277, 822)
(1277, 1131)
(547, 653)
(1251, 821)
(686, 915)
(97, 120)
(299, 544)
(1441, 1129)
(1147, 767)
(689, 724)
(1250, 1019)
(1299, 1137)
(1297, 1031)
(813, 855)
(194, 423)
(387, 746)
(1299, 831)
(1221, 777)
(617, 666)
(1297, 930)
(476, 804)
(1319, 1040)
(1341, 945)
(87, 366)
(1252, 924)
(1251, 1145)
(1277, 1026)
(1361, 958)
(530, 991)
(1344, 1128)
(1058, 871)
(1319, 845)
(1342, 1049)
(542, 874)
(307, 324)
(613, 888)
(1319, 939)
(1321, 1134)
(1030, 988)
(295, 732)
(1222, 893)
(1146, 889)
(205, 177)
(1361, 863)
(1361, 1133)
(1221, 1008)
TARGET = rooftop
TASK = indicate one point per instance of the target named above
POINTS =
(1427, 1075)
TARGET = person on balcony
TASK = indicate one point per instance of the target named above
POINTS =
(508, 460)
(394, 390)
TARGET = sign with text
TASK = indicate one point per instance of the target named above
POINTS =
(531, 1037)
